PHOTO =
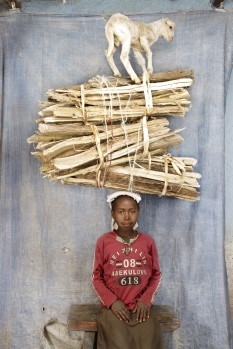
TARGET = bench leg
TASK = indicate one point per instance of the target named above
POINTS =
(89, 340)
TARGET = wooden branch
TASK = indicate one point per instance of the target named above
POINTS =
(108, 132)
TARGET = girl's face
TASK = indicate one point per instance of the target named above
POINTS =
(125, 213)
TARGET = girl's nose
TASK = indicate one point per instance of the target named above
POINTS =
(126, 215)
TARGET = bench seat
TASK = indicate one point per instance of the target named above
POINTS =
(82, 317)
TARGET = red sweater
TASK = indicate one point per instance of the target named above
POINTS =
(129, 278)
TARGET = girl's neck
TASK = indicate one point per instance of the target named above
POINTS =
(126, 235)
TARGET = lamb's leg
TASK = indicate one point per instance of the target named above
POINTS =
(149, 62)
(146, 48)
(140, 59)
(111, 49)
(125, 60)
(142, 62)
(109, 56)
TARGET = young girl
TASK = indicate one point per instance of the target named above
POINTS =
(126, 277)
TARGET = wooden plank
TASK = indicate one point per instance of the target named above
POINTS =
(82, 317)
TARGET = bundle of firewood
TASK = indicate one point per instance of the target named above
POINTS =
(109, 133)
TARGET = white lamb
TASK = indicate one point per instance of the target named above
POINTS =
(121, 30)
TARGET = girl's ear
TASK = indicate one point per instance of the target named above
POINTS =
(114, 225)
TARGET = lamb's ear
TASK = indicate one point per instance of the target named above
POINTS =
(169, 23)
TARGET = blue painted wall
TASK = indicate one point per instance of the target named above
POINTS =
(38, 240)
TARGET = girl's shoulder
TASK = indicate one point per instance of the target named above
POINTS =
(146, 237)
(107, 235)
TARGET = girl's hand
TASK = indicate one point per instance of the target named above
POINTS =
(142, 311)
(118, 308)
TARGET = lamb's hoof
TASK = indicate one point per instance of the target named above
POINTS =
(137, 81)
(117, 75)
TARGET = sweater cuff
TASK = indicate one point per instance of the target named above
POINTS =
(110, 301)
(141, 299)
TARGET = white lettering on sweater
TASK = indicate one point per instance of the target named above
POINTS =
(138, 261)
(127, 272)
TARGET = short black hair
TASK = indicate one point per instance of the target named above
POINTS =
(114, 202)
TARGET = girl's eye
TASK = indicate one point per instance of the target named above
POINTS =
(131, 212)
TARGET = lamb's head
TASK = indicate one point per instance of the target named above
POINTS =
(167, 28)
